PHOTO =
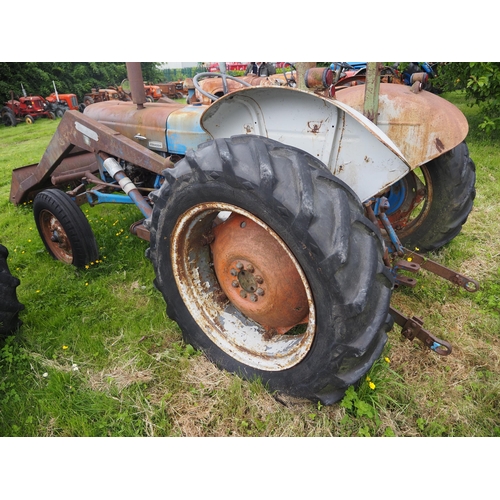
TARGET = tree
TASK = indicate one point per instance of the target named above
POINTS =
(481, 83)
(69, 77)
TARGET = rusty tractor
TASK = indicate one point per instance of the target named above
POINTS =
(173, 90)
(279, 220)
(102, 95)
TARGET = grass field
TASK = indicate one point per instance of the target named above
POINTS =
(97, 355)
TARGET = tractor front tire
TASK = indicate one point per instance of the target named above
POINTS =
(29, 119)
(64, 229)
(9, 304)
(269, 266)
(445, 188)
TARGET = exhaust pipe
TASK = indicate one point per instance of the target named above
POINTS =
(134, 73)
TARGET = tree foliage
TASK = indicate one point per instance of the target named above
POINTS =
(481, 83)
(69, 77)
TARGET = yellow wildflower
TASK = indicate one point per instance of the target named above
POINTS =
(409, 259)
(387, 360)
(372, 386)
(64, 347)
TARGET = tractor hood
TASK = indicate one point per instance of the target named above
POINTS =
(163, 127)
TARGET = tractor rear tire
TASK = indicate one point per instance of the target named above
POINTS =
(8, 117)
(9, 304)
(448, 186)
(64, 229)
(251, 320)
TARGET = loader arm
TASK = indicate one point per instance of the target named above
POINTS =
(75, 146)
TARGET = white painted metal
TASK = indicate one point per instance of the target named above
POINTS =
(352, 147)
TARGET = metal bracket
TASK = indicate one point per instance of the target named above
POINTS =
(412, 328)
(456, 278)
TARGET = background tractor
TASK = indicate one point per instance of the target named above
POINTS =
(280, 221)
(26, 108)
(60, 103)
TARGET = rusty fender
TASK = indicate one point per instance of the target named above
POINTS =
(422, 124)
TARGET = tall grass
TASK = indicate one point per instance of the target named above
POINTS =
(97, 355)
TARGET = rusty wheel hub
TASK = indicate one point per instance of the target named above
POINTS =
(243, 286)
(55, 237)
(257, 275)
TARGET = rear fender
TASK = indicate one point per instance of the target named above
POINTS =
(422, 124)
(351, 146)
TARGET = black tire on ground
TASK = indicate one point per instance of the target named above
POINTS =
(52, 115)
(8, 117)
(447, 187)
(59, 112)
(9, 304)
(64, 229)
(81, 107)
(316, 222)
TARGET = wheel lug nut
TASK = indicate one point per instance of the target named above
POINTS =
(243, 294)
(259, 280)
(253, 297)
(260, 292)
(239, 266)
(234, 272)
(235, 284)
(250, 268)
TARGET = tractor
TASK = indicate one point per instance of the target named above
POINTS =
(279, 220)
(153, 92)
(26, 108)
(60, 103)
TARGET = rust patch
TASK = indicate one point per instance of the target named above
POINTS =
(439, 145)
(314, 127)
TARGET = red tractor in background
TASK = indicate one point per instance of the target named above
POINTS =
(153, 92)
(60, 103)
(26, 108)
